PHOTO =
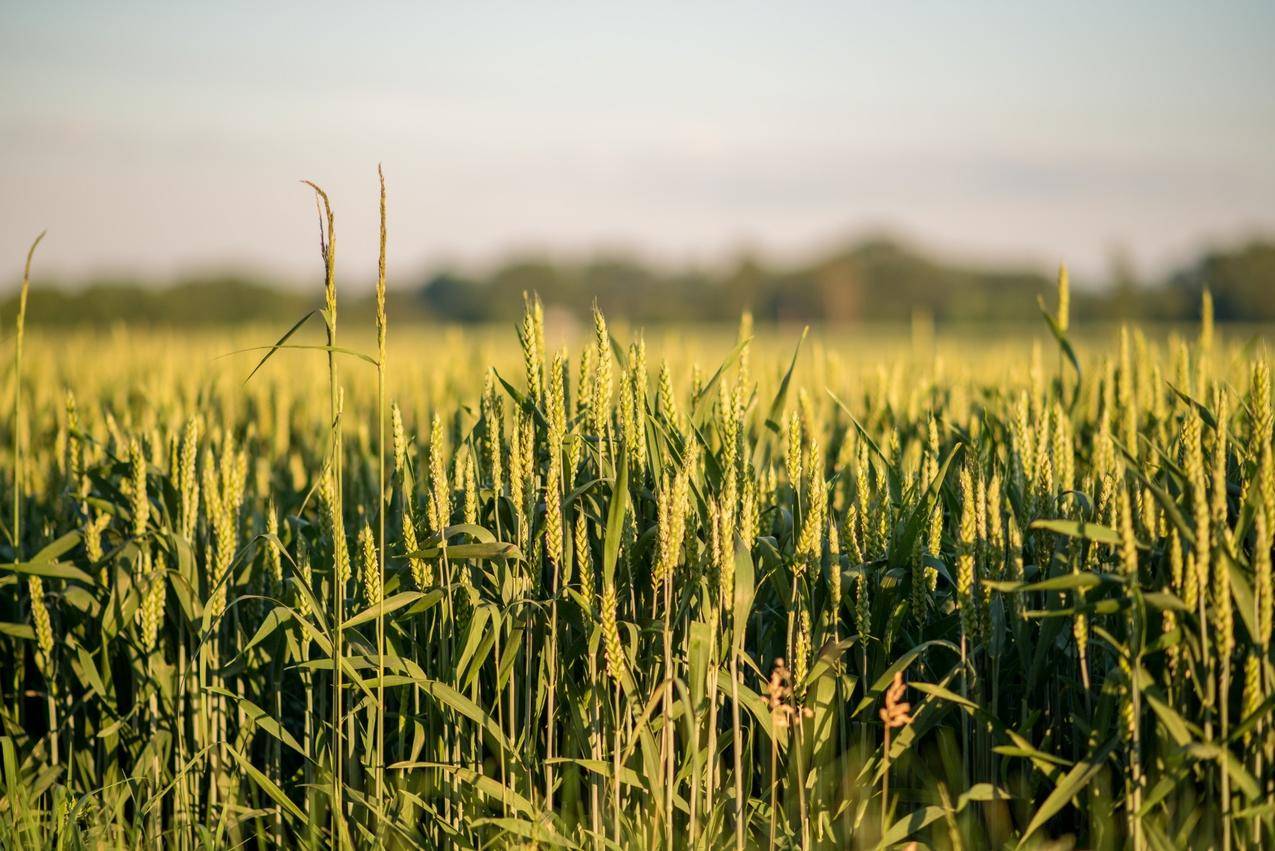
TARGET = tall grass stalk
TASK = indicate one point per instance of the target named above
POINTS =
(327, 246)
(35, 586)
(19, 420)
(381, 503)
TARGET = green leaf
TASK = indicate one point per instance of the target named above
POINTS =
(1173, 723)
(1161, 496)
(1205, 413)
(748, 699)
(863, 432)
(274, 619)
(267, 785)
(982, 792)
(777, 404)
(892, 475)
(1223, 755)
(538, 832)
(523, 401)
(480, 534)
(18, 630)
(883, 682)
(924, 509)
(316, 348)
(1078, 529)
(1252, 719)
(909, 824)
(1065, 582)
(50, 570)
(1069, 787)
(744, 590)
(475, 551)
(87, 671)
(390, 604)
(279, 344)
(1059, 334)
(255, 715)
(456, 701)
(615, 519)
(601, 767)
(476, 631)
(59, 548)
(485, 784)
(943, 694)
(1030, 753)
(712, 382)
(1164, 600)
(1256, 811)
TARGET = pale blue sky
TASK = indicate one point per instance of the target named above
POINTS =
(158, 138)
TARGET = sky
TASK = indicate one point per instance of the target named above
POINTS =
(169, 138)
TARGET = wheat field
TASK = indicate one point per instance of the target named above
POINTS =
(581, 586)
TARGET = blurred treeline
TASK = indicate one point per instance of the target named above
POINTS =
(875, 280)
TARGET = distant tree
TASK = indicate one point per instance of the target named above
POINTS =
(878, 279)
(452, 297)
(1242, 281)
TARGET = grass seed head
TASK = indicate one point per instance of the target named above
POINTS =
(41, 623)
(139, 502)
(370, 566)
(583, 555)
(613, 650)
(895, 711)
